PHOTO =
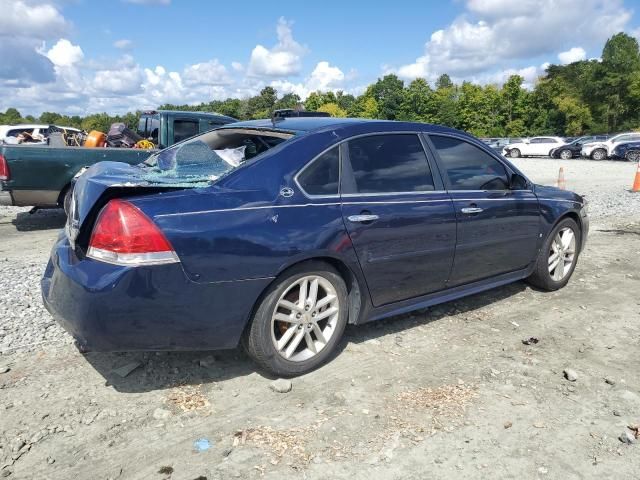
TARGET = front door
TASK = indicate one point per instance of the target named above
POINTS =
(498, 228)
(400, 220)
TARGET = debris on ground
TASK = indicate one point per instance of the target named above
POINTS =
(188, 398)
(508, 424)
(609, 381)
(292, 441)
(530, 341)
(570, 374)
(125, 370)
(201, 445)
(165, 470)
(447, 400)
(627, 437)
(281, 385)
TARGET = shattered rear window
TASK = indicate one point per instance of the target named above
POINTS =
(209, 156)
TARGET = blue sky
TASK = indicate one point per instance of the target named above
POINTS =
(81, 56)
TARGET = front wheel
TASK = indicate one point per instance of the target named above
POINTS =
(558, 257)
(299, 321)
(566, 154)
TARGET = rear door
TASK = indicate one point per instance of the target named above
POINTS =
(497, 228)
(398, 216)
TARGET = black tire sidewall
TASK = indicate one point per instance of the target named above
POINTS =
(259, 344)
(543, 260)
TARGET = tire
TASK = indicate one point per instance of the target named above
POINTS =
(66, 201)
(599, 154)
(566, 154)
(632, 156)
(548, 278)
(265, 331)
(514, 153)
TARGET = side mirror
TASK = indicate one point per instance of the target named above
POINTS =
(518, 182)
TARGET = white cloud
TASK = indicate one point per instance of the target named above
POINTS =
(32, 19)
(237, 66)
(324, 77)
(64, 53)
(207, 73)
(574, 54)
(123, 44)
(281, 60)
(494, 33)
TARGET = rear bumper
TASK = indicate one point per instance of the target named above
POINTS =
(112, 308)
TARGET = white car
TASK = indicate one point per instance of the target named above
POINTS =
(602, 150)
(32, 131)
(536, 146)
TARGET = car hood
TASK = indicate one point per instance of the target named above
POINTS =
(546, 191)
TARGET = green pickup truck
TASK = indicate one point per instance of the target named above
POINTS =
(40, 175)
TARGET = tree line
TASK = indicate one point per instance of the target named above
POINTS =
(589, 96)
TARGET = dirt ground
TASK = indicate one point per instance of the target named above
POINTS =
(448, 392)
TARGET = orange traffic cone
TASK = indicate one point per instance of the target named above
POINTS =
(562, 184)
(636, 181)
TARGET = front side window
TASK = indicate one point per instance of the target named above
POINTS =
(388, 164)
(322, 176)
(468, 167)
(183, 129)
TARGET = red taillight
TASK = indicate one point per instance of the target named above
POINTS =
(125, 236)
(4, 169)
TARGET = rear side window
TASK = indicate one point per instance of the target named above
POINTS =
(183, 129)
(388, 164)
(468, 167)
(322, 176)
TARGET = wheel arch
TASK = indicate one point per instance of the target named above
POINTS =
(356, 289)
(62, 194)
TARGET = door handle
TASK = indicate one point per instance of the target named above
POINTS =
(362, 218)
(470, 210)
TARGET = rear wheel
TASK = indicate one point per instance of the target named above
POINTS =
(599, 154)
(633, 156)
(566, 154)
(514, 153)
(299, 321)
(558, 257)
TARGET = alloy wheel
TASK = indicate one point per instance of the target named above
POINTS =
(305, 318)
(566, 154)
(599, 154)
(633, 156)
(562, 254)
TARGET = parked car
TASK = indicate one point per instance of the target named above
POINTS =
(29, 132)
(498, 144)
(571, 150)
(602, 150)
(324, 222)
(536, 146)
(40, 175)
(629, 151)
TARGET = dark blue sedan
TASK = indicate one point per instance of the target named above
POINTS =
(278, 233)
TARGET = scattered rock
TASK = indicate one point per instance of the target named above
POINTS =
(207, 362)
(530, 341)
(508, 424)
(281, 385)
(4, 368)
(627, 437)
(570, 374)
(226, 452)
(165, 470)
(51, 460)
(609, 381)
(125, 370)
(161, 414)
(616, 413)
(539, 425)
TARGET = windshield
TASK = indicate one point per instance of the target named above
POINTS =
(211, 155)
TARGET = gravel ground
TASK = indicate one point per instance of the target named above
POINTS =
(451, 390)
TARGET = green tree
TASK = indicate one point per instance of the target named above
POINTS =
(417, 102)
(333, 109)
(388, 93)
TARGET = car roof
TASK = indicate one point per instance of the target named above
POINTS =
(302, 125)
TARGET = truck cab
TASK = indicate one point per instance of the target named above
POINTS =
(166, 127)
